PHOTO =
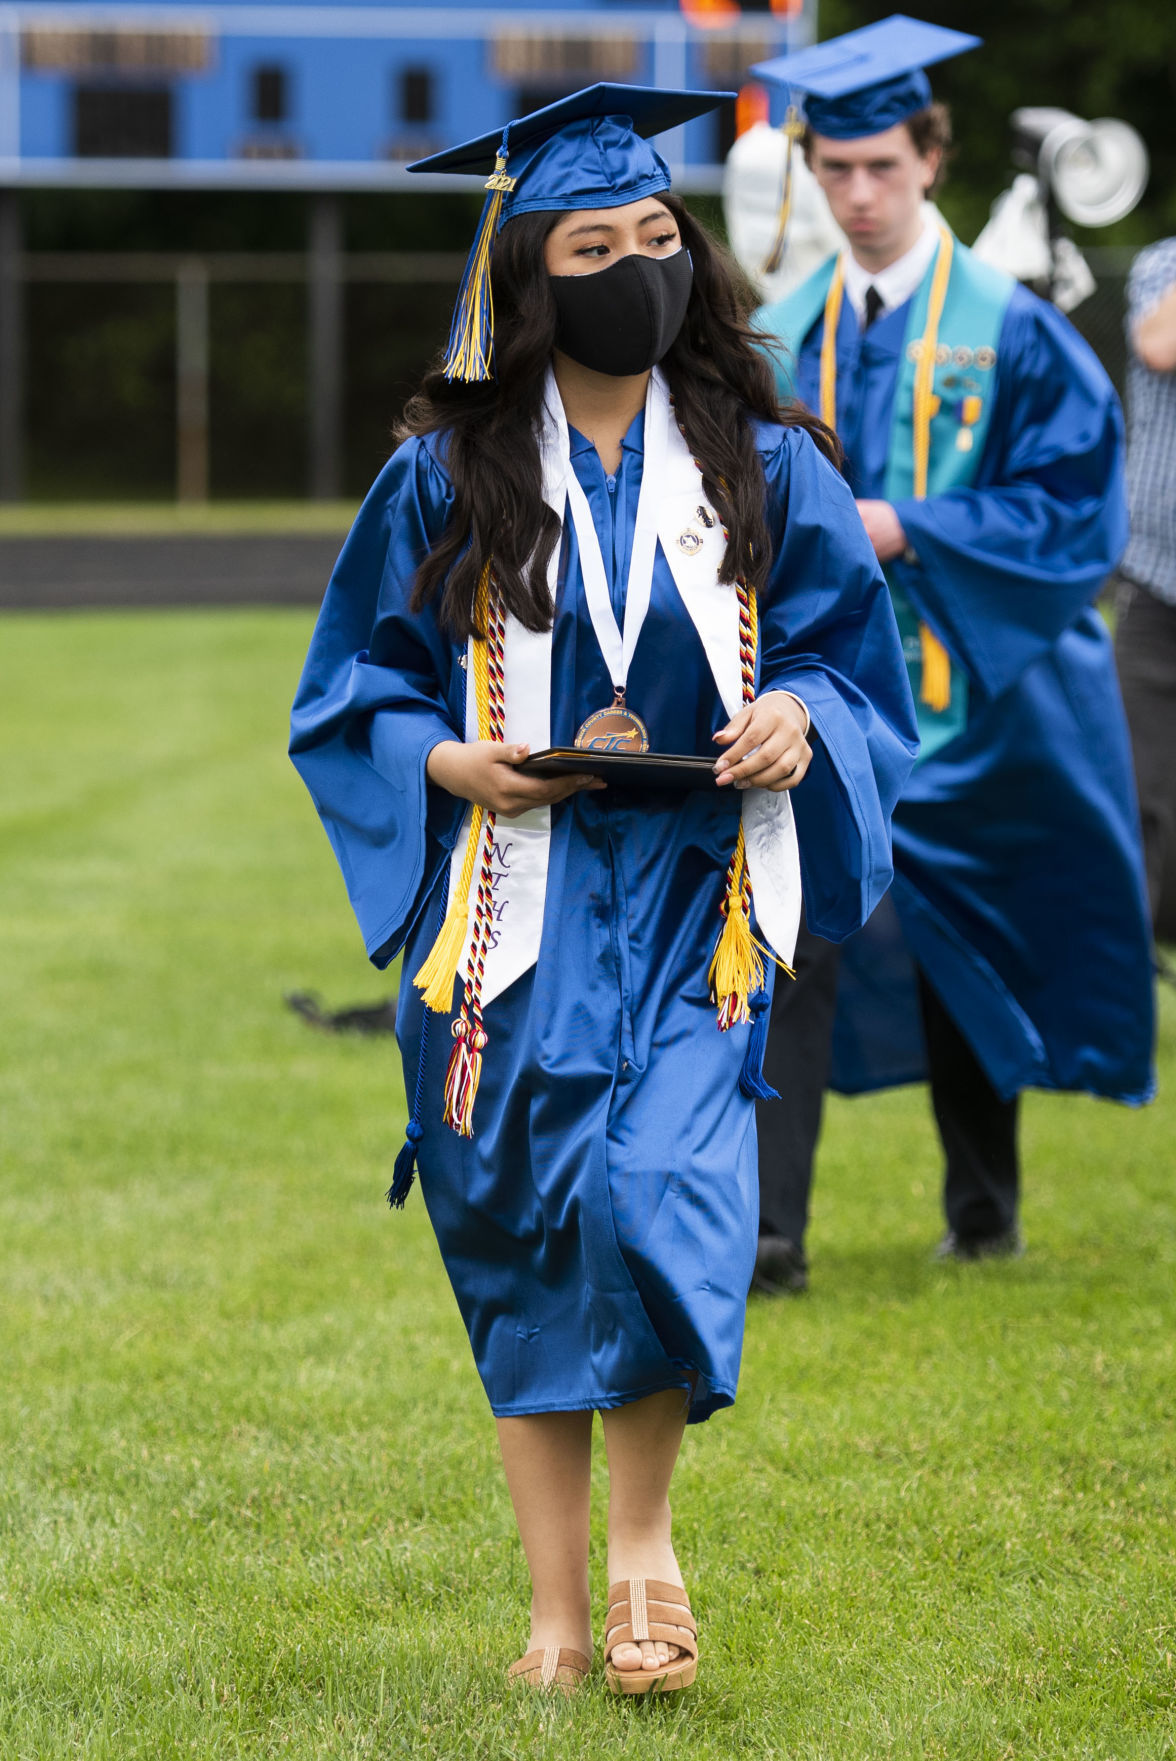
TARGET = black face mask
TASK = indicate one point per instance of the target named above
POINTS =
(623, 319)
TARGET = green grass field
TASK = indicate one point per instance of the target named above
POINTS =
(162, 519)
(249, 1503)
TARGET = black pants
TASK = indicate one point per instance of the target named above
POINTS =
(978, 1130)
(1145, 652)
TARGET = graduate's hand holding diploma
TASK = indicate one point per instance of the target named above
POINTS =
(486, 771)
(767, 748)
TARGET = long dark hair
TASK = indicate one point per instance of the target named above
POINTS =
(718, 374)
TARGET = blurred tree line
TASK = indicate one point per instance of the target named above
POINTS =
(101, 365)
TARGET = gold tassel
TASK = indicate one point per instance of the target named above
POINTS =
(470, 352)
(736, 969)
(793, 131)
(935, 689)
(438, 973)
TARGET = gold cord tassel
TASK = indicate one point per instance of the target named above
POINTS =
(470, 352)
(793, 131)
(736, 969)
(438, 973)
(935, 689)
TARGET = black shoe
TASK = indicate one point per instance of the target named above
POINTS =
(1007, 1245)
(780, 1266)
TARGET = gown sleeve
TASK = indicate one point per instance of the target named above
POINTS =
(828, 633)
(1005, 567)
(381, 687)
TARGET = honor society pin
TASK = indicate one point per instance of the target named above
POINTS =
(691, 541)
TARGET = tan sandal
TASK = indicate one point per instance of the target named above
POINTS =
(554, 1666)
(640, 1609)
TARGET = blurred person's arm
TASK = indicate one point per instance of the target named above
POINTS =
(1153, 336)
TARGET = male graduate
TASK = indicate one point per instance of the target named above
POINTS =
(984, 447)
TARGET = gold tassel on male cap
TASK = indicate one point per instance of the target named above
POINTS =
(792, 129)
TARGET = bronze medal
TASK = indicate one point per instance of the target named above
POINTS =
(615, 729)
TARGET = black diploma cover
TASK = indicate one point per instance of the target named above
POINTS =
(628, 770)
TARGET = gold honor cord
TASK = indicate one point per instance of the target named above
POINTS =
(829, 347)
(438, 974)
(935, 689)
(736, 971)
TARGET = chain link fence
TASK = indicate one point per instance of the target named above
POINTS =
(101, 418)
(1101, 318)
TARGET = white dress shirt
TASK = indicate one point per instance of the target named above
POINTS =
(898, 281)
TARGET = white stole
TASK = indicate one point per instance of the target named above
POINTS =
(521, 846)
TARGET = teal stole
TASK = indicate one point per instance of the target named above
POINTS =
(964, 388)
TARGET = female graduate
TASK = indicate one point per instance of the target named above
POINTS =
(601, 531)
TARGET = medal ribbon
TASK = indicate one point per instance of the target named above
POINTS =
(618, 649)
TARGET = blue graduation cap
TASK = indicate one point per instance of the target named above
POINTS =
(864, 82)
(590, 150)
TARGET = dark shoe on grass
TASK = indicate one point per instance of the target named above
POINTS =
(780, 1267)
(1008, 1245)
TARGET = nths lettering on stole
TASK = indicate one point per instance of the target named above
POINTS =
(500, 888)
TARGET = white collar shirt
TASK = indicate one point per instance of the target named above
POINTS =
(897, 282)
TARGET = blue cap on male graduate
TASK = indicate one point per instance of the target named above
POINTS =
(856, 85)
(867, 80)
(590, 150)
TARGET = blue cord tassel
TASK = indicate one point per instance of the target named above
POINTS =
(751, 1077)
(404, 1167)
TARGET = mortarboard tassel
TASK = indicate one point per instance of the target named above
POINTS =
(793, 131)
(469, 354)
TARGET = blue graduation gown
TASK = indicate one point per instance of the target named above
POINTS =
(1018, 882)
(599, 1228)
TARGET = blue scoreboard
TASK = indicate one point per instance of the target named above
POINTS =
(265, 94)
